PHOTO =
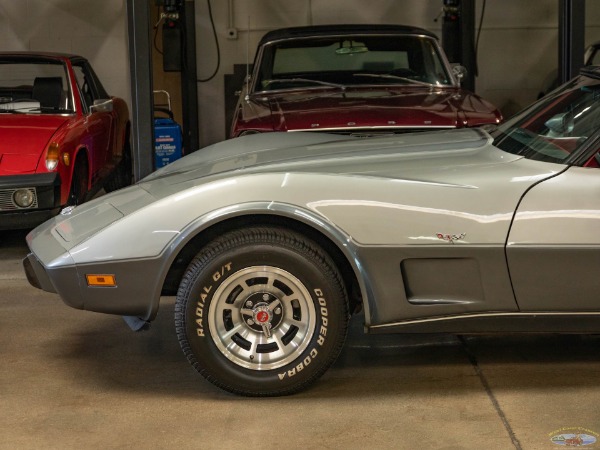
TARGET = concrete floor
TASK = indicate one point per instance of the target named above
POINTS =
(71, 379)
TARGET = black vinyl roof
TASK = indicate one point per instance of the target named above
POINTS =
(334, 30)
(30, 56)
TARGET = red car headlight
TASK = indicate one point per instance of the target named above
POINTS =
(24, 198)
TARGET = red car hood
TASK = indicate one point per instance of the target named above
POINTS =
(413, 107)
(24, 138)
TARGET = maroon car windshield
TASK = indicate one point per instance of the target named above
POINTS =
(35, 87)
(351, 60)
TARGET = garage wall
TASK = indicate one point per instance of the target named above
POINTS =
(517, 48)
(95, 29)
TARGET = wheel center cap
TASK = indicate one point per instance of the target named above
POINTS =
(262, 311)
(262, 315)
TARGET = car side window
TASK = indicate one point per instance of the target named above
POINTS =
(554, 129)
(84, 87)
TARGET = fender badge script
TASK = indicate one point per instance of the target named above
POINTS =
(452, 238)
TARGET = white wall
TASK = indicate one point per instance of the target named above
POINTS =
(517, 48)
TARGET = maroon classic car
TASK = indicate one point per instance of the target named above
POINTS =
(355, 79)
(63, 136)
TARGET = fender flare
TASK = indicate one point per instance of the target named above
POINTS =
(339, 238)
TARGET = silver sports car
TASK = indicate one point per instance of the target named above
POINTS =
(272, 241)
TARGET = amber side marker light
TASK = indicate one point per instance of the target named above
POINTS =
(101, 280)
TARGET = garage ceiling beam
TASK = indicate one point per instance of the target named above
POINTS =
(571, 39)
(140, 65)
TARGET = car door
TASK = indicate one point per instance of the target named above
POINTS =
(553, 248)
(99, 124)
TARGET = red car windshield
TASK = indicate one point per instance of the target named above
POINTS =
(351, 60)
(34, 88)
(556, 127)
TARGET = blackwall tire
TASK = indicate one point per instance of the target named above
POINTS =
(261, 312)
(79, 182)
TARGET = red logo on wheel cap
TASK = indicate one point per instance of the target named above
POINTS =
(262, 317)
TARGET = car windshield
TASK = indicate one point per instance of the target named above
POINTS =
(38, 87)
(555, 127)
(351, 60)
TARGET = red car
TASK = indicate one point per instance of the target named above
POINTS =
(355, 79)
(63, 137)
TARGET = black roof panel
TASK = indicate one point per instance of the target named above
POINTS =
(332, 30)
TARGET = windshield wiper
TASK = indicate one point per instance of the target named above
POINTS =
(394, 77)
(10, 104)
(18, 110)
(302, 80)
(28, 109)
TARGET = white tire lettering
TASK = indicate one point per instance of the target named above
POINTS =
(290, 373)
(225, 268)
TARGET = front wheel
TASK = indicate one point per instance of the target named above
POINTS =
(261, 312)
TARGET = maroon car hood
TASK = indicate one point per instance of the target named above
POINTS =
(24, 138)
(417, 107)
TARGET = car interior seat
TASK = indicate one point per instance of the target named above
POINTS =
(48, 91)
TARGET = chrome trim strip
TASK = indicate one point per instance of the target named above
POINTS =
(479, 316)
(377, 127)
(342, 35)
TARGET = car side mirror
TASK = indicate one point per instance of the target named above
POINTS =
(102, 105)
(459, 72)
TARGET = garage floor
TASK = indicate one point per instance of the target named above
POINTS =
(72, 379)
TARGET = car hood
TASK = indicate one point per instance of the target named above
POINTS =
(431, 170)
(24, 138)
(411, 107)
(433, 157)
